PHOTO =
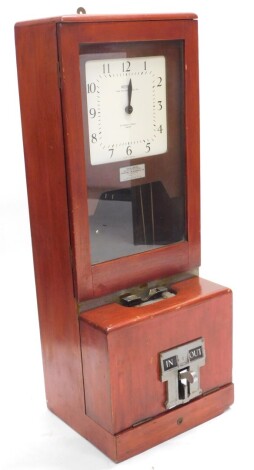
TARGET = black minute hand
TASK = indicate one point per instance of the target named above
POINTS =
(129, 108)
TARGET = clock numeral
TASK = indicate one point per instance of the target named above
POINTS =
(145, 65)
(126, 66)
(148, 148)
(160, 129)
(91, 88)
(159, 81)
(159, 105)
(106, 68)
(128, 151)
(92, 112)
(112, 151)
(94, 138)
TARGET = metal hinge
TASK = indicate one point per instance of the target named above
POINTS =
(72, 270)
(59, 75)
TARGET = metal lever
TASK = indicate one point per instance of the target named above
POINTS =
(191, 377)
(131, 300)
(154, 293)
(185, 378)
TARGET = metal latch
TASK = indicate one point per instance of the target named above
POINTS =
(180, 368)
(160, 292)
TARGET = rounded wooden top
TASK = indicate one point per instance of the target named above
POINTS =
(86, 18)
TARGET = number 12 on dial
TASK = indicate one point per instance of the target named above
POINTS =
(126, 108)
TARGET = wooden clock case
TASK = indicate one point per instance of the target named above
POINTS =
(101, 359)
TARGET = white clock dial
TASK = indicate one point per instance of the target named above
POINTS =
(126, 108)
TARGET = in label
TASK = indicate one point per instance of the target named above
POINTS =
(169, 363)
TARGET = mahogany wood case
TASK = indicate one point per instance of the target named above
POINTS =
(101, 359)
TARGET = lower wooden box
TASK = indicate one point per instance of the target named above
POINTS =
(121, 348)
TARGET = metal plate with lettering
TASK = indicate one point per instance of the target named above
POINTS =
(180, 370)
(129, 173)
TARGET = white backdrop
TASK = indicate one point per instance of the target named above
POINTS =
(30, 436)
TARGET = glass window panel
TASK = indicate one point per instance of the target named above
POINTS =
(134, 136)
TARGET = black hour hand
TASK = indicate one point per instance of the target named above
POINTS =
(129, 108)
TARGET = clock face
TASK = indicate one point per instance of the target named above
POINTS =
(126, 108)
